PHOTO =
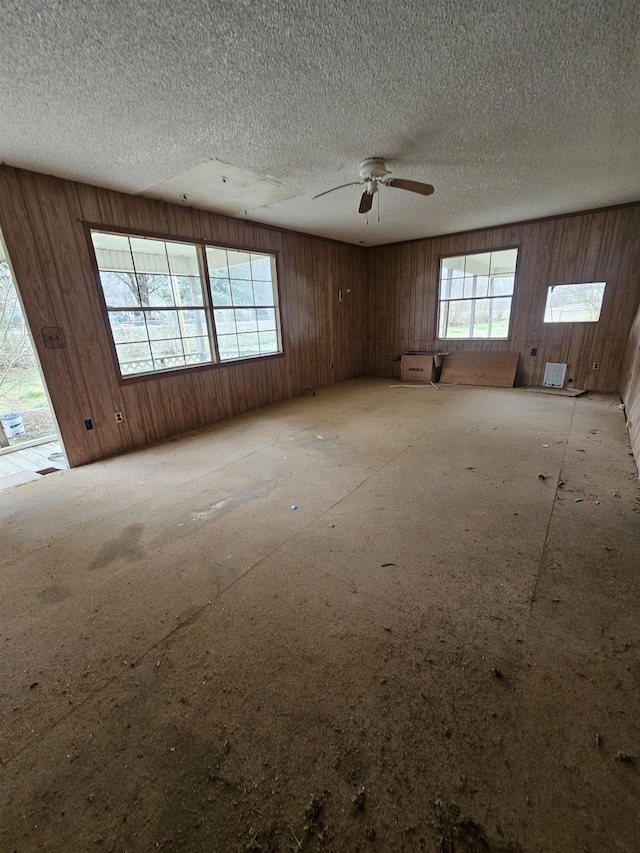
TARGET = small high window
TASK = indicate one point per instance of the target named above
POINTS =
(574, 303)
(476, 292)
(166, 313)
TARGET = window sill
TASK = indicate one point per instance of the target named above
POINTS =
(195, 368)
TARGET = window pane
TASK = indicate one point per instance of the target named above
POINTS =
(162, 324)
(217, 262)
(480, 318)
(134, 358)
(228, 347)
(166, 348)
(504, 261)
(443, 320)
(220, 291)
(154, 289)
(183, 259)
(482, 285)
(266, 318)
(239, 264)
(261, 268)
(113, 251)
(445, 287)
(459, 320)
(456, 265)
(268, 342)
(500, 314)
(501, 285)
(457, 286)
(246, 320)
(467, 290)
(197, 350)
(120, 289)
(574, 303)
(478, 264)
(193, 323)
(225, 322)
(263, 291)
(188, 290)
(124, 327)
(149, 255)
(248, 344)
(241, 292)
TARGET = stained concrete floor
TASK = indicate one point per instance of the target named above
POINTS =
(437, 650)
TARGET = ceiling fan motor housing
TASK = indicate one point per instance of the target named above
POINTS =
(372, 168)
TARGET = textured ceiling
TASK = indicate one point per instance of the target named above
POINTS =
(511, 110)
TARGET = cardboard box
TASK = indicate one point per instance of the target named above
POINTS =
(421, 368)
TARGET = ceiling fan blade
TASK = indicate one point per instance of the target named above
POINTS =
(379, 173)
(366, 202)
(412, 186)
(326, 192)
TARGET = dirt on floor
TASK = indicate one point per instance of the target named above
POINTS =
(373, 620)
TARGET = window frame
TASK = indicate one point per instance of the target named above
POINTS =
(201, 244)
(464, 253)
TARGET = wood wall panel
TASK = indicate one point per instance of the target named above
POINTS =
(631, 387)
(599, 246)
(42, 222)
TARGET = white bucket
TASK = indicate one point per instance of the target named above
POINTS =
(12, 425)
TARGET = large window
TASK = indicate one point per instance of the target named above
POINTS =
(175, 304)
(574, 303)
(476, 292)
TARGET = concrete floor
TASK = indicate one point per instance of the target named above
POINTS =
(437, 650)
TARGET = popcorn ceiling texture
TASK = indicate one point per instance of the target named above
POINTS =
(511, 110)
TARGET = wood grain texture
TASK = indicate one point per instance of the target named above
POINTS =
(388, 306)
(630, 390)
(597, 246)
(324, 339)
(497, 369)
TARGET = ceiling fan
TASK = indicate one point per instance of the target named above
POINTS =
(373, 171)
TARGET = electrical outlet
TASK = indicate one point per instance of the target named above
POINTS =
(53, 337)
(88, 424)
(119, 418)
(534, 350)
(596, 365)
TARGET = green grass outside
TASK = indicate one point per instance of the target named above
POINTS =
(499, 330)
(22, 391)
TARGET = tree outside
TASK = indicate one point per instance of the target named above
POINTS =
(21, 388)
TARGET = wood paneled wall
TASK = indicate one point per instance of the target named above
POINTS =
(389, 306)
(631, 386)
(42, 222)
(599, 246)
